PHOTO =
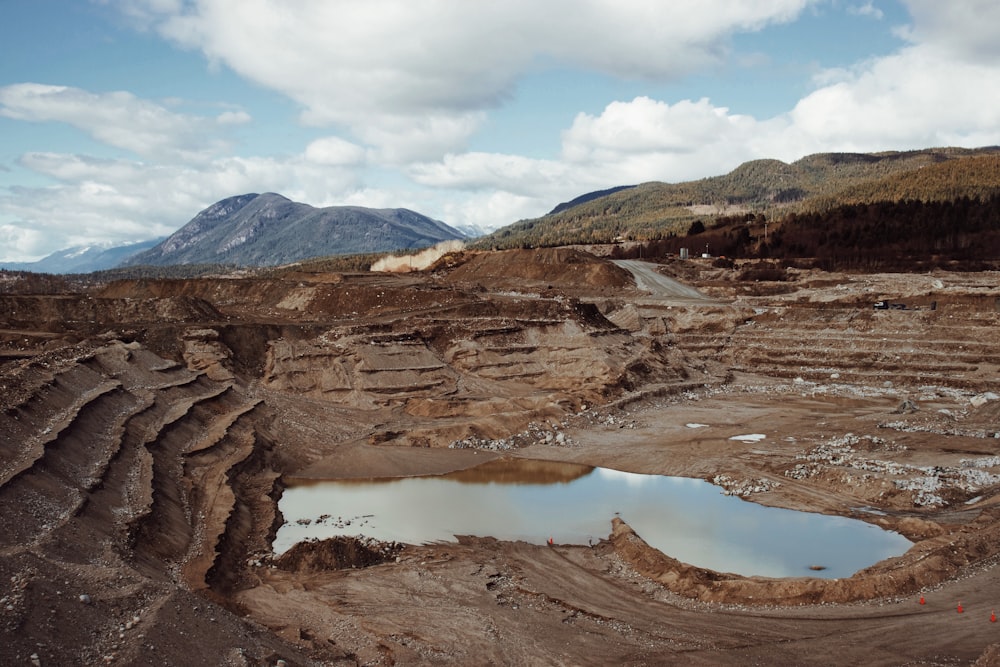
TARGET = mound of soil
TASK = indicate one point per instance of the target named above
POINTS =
(337, 553)
(540, 268)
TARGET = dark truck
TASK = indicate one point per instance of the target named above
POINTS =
(885, 304)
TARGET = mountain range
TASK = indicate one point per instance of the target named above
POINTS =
(269, 229)
(82, 259)
(762, 187)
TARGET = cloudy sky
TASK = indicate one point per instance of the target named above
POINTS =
(121, 119)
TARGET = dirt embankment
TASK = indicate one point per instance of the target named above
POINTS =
(541, 269)
(145, 434)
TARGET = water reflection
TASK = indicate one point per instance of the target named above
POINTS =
(687, 519)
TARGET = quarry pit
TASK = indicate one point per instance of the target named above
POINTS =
(150, 426)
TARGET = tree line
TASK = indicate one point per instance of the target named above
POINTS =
(887, 235)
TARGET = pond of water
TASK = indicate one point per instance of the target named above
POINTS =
(687, 519)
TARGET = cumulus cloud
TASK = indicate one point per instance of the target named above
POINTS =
(868, 9)
(398, 139)
(512, 173)
(915, 98)
(24, 243)
(119, 119)
(647, 127)
(399, 88)
(334, 151)
(940, 90)
(379, 67)
(629, 142)
(116, 200)
(233, 118)
(958, 30)
(488, 209)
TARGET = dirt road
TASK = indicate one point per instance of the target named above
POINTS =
(660, 286)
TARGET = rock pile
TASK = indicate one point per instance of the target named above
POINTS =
(744, 487)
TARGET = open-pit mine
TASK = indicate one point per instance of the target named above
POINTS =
(150, 427)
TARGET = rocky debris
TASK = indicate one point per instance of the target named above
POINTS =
(743, 488)
(802, 471)
(337, 553)
(551, 435)
(485, 444)
(932, 483)
(338, 522)
(608, 419)
(930, 486)
(979, 400)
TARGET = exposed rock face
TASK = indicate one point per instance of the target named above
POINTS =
(337, 554)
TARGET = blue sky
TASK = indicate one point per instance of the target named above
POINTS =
(121, 119)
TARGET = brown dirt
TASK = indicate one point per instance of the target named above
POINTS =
(148, 428)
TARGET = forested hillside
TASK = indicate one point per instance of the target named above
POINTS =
(976, 177)
(963, 233)
(762, 187)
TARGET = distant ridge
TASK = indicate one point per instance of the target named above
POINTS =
(269, 229)
(769, 187)
(82, 259)
(583, 199)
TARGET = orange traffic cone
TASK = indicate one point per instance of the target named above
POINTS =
(922, 600)
(993, 617)
(960, 610)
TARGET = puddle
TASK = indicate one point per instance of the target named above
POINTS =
(687, 519)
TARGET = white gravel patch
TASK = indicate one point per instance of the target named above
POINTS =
(749, 437)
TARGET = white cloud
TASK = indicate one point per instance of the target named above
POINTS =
(629, 142)
(404, 86)
(928, 94)
(118, 119)
(412, 78)
(918, 97)
(399, 139)
(144, 13)
(25, 244)
(963, 30)
(942, 89)
(101, 200)
(645, 126)
(334, 151)
(233, 118)
(484, 209)
(472, 171)
(868, 9)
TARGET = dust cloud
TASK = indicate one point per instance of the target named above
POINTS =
(418, 262)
